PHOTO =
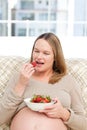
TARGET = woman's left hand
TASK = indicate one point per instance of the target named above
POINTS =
(56, 111)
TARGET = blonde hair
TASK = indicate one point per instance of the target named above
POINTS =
(59, 65)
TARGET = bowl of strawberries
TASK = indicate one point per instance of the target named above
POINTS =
(38, 102)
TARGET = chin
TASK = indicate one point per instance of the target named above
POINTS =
(39, 70)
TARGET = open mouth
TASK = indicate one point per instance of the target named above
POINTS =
(39, 63)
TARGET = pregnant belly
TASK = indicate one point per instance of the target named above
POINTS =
(27, 119)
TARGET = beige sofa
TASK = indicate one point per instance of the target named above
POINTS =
(10, 64)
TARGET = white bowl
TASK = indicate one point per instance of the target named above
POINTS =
(37, 106)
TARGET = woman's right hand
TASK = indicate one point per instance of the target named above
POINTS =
(26, 72)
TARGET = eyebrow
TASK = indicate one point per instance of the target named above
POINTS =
(44, 50)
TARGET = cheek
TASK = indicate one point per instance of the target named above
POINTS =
(34, 56)
(50, 60)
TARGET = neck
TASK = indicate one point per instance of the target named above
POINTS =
(43, 76)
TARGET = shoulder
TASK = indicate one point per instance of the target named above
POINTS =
(70, 82)
(68, 78)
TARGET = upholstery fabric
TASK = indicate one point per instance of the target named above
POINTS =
(10, 64)
(78, 69)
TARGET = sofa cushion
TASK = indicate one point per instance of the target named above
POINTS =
(78, 69)
(8, 66)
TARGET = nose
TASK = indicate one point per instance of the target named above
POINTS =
(40, 55)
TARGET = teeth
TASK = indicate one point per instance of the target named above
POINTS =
(39, 62)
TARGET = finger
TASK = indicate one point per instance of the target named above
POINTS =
(27, 68)
(30, 73)
(46, 110)
(50, 114)
(49, 107)
(26, 65)
(55, 100)
(31, 70)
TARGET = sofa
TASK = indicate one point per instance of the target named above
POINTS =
(77, 67)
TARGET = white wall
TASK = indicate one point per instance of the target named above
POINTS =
(73, 47)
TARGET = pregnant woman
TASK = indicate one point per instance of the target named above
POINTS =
(46, 76)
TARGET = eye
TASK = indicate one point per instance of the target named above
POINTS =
(46, 53)
(36, 51)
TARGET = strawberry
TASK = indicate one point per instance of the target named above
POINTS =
(38, 99)
(46, 100)
(33, 63)
(41, 99)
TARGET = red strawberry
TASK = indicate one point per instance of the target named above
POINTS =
(33, 63)
(46, 100)
(38, 99)
(41, 99)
